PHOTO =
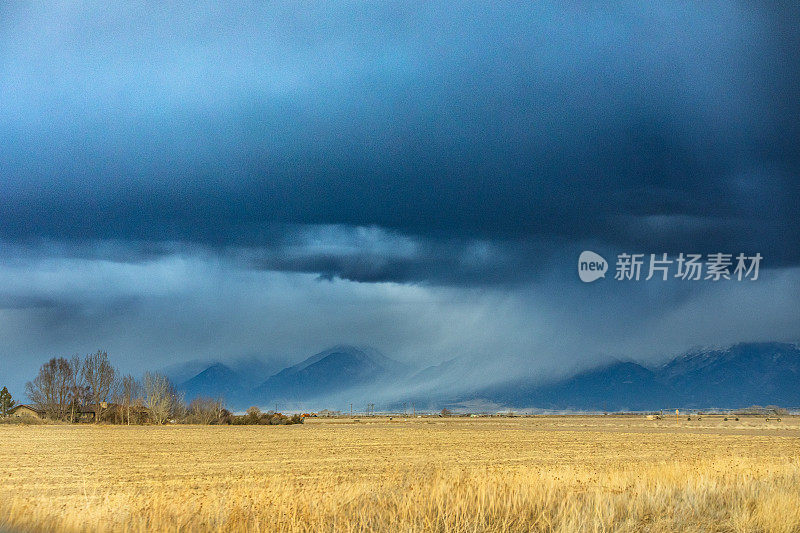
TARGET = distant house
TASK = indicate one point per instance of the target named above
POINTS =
(87, 413)
(113, 412)
(23, 410)
(108, 412)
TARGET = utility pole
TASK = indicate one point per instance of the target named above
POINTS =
(413, 409)
(351, 409)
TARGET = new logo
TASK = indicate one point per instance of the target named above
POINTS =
(591, 266)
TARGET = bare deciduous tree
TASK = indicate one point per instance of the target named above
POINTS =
(205, 410)
(100, 377)
(50, 390)
(160, 397)
(129, 394)
(79, 394)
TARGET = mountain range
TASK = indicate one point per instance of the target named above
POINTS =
(737, 376)
(330, 373)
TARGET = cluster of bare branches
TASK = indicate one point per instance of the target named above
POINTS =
(206, 411)
(90, 388)
(160, 398)
(64, 387)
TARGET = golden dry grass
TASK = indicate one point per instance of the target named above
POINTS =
(518, 474)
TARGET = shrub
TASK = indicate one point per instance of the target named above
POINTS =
(254, 416)
(26, 420)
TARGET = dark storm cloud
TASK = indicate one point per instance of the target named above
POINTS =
(475, 133)
(374, 255)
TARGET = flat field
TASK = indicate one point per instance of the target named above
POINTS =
(413, 474)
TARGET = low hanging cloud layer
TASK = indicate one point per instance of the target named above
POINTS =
(442, 161)
(184, 307)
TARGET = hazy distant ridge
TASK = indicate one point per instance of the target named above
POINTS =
(738, 376)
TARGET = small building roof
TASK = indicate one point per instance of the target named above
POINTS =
(26, 406)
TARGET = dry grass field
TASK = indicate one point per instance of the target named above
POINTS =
(417, 474)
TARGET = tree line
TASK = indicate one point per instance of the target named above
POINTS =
(82, 387)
